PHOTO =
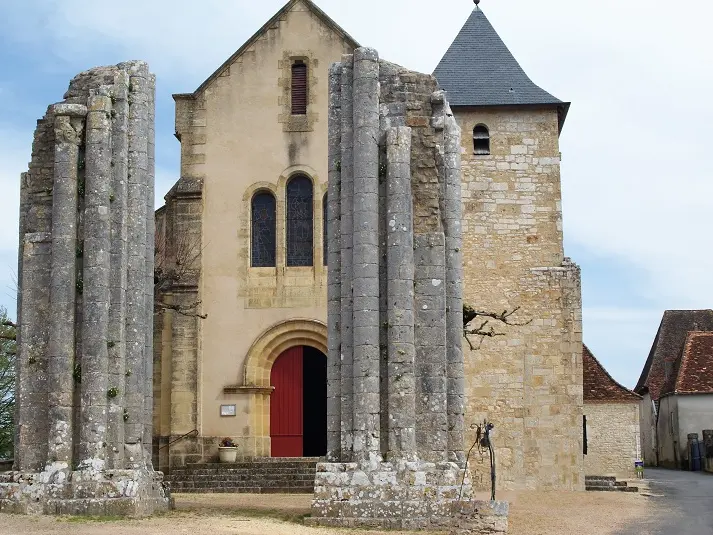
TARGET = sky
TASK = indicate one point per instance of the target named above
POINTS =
(637, 173)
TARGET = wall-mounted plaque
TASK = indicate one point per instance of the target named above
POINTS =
(227, 410)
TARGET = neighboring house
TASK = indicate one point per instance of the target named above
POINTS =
(251, 201)
(659, 378)
(611, 417)
(686, 404)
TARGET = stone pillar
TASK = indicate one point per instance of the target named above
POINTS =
(346, 257)
(334, 372)
(397, 207)
(119, 199)
(69, 126)
(135, 382)
(366, 258)
(96, 392)
(80, 406)
(149, 288)
(400, 314)
(454, 288)
(31, 437)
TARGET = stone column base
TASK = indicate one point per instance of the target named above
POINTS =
(402, 495)
(129, 493)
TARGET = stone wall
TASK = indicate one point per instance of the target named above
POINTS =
(613, 442)
(528, 382)
(85, 304)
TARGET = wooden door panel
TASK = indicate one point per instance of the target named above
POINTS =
(286, 404)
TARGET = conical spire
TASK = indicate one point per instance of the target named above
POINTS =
(479, 70)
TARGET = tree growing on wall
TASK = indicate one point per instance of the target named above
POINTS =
(7, 384)
(478, 323)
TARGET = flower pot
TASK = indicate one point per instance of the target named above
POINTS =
(227, 455)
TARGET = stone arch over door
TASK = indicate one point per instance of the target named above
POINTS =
(263, 353)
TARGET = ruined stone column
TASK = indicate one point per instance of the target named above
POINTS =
(454, 287)
(69, 126)
(149, 251)
(135, 383)
(119, 198)
(400, 317)
(399, 210)
(366, 254)
(95, 390)
(334, 291)
(89, 197)
(346, 257)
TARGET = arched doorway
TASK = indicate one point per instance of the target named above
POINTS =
(298, 404)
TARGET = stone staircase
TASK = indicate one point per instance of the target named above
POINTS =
(289, 475)
(608, 484)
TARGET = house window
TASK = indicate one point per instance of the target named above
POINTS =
(325, 214)
(300, 226)
(263, 229)
(481, 139)
(299, 88)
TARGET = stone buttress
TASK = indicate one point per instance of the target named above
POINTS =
(395, 363)
(85, 305)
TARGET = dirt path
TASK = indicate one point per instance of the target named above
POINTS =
(532, 513)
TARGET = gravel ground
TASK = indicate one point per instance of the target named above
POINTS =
(531, 513)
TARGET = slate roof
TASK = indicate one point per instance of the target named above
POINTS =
(695, 374)
(664, 360)
(479, 70)
(599, 386)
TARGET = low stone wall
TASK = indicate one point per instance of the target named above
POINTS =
(131, 493)
(402, 495)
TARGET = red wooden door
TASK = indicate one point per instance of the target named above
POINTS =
(286, 404)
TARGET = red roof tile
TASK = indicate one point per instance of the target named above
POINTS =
(599, 386)
(661, 369)
(695, 374)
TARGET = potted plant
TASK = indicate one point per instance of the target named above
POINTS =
(228, 450)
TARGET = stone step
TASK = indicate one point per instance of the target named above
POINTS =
(592, 479)
(262, 475)
(610, 488)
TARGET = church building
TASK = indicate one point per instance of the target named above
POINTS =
(240, 347)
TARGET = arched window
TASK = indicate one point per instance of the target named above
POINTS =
(299, 88)
(481, 139)
(263, 229)
(300, 226)
(325, 215)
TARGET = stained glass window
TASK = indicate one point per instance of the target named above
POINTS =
(300, 228)
(263, 230)
(325, 215)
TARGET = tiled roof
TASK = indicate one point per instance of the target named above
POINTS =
(479, 70)
(695, 374)
(661, 368)
(599, 386)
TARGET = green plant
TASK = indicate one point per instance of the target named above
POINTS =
(126, 415)
(110, 344)
(77, 373)
(112, 392)
(80, 284)
(128, 373)
(80, 249)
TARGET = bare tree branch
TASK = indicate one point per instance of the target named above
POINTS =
(484, 330)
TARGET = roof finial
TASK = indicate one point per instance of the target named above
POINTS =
(476, 2)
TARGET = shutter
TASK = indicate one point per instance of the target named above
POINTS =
(299, 89)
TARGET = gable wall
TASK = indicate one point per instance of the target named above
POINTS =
(239, 136)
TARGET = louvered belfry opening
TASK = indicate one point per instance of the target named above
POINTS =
(481, 139)
(299, 88)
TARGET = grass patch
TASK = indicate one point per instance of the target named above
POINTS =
(85, 519)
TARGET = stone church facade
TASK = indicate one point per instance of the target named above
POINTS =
(239, 349)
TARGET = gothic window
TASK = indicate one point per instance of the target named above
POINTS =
(263, 229)
(481, 139)
(299, 88)
(325, 214)
(300, 227)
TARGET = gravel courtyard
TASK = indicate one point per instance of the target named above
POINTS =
(532, 513)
